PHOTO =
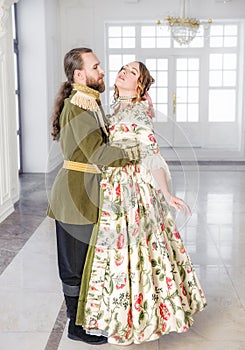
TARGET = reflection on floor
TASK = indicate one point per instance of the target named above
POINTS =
(32, 314)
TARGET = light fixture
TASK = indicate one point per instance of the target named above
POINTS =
(184, 29)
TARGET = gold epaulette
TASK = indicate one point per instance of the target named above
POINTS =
(85, 97)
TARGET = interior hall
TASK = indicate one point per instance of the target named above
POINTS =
(198, 95)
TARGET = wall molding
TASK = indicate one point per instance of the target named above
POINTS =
(6, 210)
(6, 204)
(5, 6)
(9, 185)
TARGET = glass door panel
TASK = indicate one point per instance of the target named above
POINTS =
(187, 101)
(160, 69)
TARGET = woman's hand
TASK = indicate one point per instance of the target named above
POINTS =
(147, 98)
(178, 204)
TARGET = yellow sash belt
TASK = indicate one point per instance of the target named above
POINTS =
(83, 167)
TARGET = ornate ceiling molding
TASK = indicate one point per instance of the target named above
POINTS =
(5, 6)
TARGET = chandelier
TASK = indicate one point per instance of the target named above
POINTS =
(184, 29)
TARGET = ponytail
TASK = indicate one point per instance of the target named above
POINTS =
(64, 92)
(73, 60)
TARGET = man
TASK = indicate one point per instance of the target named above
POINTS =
(78, 122)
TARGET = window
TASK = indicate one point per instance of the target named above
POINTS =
(155, 37)
(187, 89)
(153, 44)
(121, 37)
(223, 35)
(223, 73)
(159, 90)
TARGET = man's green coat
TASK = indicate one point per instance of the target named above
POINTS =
(74, 197)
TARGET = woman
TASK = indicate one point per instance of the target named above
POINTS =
(140, 281)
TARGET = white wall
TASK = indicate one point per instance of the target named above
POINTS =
(48, 29)
(82, 24)
(54, 73)
(39, 76)
(82, 21)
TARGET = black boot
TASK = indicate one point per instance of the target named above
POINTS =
(71, 306)
(77, 332)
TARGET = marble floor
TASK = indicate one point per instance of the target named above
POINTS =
(32, 312)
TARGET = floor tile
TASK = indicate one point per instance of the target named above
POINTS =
(32, 312)
(23, 340)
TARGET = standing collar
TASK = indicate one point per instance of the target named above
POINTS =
(87, 90)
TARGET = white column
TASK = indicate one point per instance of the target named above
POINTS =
(9, 188)
(40, 67)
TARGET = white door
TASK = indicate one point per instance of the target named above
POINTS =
(176, 97)
(193, 108)
(198, 89)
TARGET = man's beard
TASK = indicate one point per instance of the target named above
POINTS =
(93, 84)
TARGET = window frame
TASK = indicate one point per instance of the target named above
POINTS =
(206, 50)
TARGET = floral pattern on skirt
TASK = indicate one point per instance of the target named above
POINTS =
(142, 283)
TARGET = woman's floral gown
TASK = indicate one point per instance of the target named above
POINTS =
(142, 283)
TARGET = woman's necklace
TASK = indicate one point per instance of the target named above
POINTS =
(126, 98)
(122, 103)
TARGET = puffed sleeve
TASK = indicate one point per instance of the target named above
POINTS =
(151, 157)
